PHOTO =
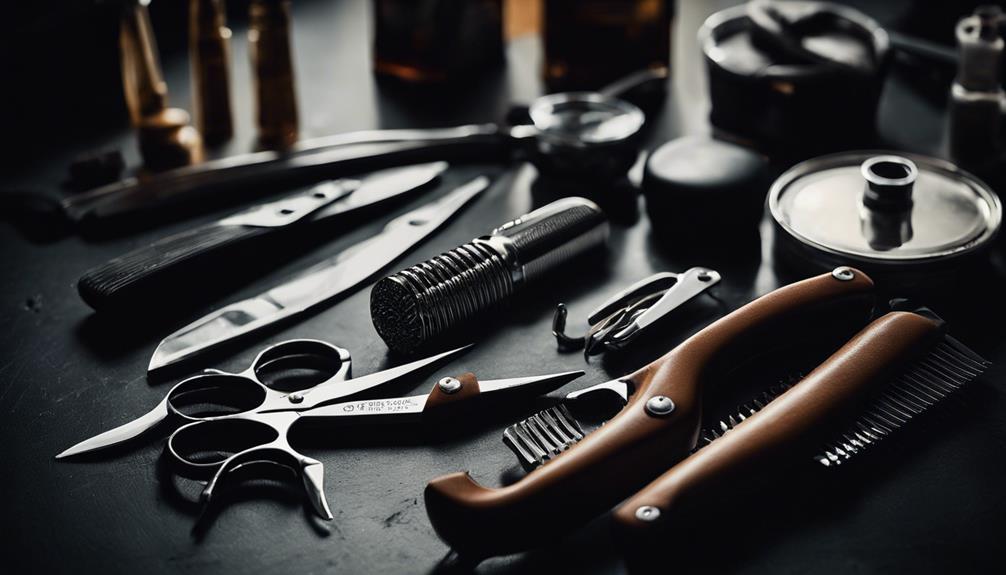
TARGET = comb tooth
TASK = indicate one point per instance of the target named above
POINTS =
(935, 390)
(962, 363)
(758, 404)
(567, 422)
(921, 389)
(910, 410)
(548, 443)
(945, 369)
(527, 451)
(959, 348)
(552, 429)
(724, 427)
(564, 440)
(733, 422)
(875, 425)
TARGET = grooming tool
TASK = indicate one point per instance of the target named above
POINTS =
(891, 372)
(617, 322)
(317, 285)
(591, 136)
(272, 69)
(247, 410)
(781, 72)
(166, 139)
(910, 221)
(977, 99)
(135, 278)
(420, 303)
(699, 184)
(210, 53)
(657, 427)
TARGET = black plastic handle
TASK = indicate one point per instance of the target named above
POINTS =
(192, 256)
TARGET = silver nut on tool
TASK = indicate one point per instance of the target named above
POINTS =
(659, 405)
(647, 513)
(295, 397)
(449, 385)
(843, 273)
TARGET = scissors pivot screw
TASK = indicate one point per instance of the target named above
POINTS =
(659, 405)
(296, 397)
(647, 513)
(449, 385)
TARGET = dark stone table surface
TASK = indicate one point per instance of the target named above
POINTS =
(933, 501)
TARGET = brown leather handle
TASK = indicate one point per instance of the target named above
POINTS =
(442, 397)
(634, 447)
(794, 423)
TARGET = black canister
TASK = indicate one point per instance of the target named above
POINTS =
(795, 78)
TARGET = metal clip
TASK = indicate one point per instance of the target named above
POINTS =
(620, 319)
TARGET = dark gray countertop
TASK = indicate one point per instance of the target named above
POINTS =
(931, 502)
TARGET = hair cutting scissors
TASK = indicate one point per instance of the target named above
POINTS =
(234, 419)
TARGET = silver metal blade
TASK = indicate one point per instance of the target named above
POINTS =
(545, 383)
(317, 285)
(383, 185)
(121, 433)
(398, 407)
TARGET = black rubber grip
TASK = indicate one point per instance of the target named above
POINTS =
(155, 269)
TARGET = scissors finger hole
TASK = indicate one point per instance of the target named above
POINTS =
(214, 395)
(298, 365)
(205, 445)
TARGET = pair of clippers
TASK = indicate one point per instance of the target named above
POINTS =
(649, 447)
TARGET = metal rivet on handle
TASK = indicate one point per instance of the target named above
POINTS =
(647, 513)
(843, 273)
(659, 405)
(295, 397)
(449, 385)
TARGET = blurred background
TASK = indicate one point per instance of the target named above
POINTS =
(65, 88)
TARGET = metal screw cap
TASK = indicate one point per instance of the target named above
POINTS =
(295, 397)
(647, 513)
(843, 273)
(659, 405)
(449, 385)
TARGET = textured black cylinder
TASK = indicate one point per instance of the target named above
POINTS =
(417, 304)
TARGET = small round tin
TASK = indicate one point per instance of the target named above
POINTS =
(910, 221)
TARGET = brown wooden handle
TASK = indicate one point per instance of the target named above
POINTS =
(794, 423)
(634, 447)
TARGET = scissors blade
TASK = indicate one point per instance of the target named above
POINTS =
(315, 286)
(120, 434)
(540, 383)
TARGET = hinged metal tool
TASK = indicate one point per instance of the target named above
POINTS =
(624, 316)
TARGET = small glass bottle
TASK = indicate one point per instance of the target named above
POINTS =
(436, 41)
(590, 43)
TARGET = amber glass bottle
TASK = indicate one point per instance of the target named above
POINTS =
(589, 43)
(436, 41)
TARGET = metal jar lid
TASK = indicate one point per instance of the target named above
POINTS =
(884, 209)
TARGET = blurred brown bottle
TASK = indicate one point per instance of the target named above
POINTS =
(436, 41)
(209, 50)
(590, 43)
(272, 71)
(166, 139)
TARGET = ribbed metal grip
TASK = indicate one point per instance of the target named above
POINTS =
(416, 304)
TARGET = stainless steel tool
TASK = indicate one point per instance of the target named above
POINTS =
(248, 420)
(617, 322)
(582, 135)
(414, 306)
(316, 285)
(170, 263)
